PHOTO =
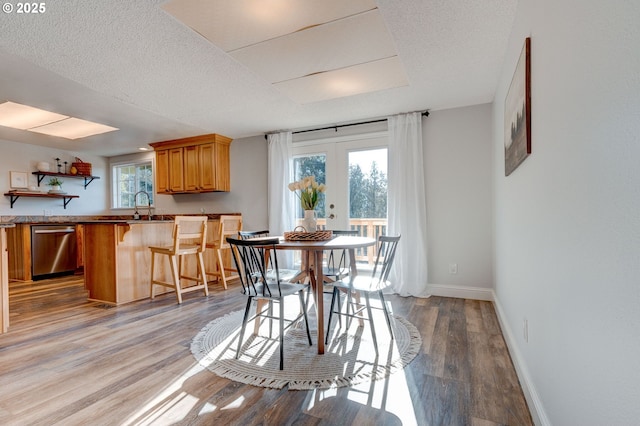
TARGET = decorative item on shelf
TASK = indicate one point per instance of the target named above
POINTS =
(18, 180)
(309, 196)
(56, 186)
(43, 166)
(73, 170)
(59, 165)
(65, 167)
(82, 167)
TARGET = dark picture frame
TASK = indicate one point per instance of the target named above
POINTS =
(517, 113)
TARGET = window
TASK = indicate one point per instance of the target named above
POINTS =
(354, 168)
(128, 180)
(310, 165)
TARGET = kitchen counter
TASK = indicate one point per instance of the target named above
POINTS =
(117, 259)
(33, 220)
(131, 221)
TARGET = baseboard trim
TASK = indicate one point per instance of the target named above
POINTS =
(461, 292)
(536, 408)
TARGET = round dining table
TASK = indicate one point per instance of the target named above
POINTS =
(317, 248)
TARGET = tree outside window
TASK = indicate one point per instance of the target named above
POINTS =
(130, 179)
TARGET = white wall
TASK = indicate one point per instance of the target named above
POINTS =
(459, 200)
(567, 221)
(23, 158)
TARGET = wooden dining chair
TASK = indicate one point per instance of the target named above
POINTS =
(189, 238)
(365, 286)
(229, 225)
(260, 284)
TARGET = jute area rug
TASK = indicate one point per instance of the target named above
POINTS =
(349, 357)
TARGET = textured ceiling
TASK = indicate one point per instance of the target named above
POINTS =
(133, 66)
(312, 51)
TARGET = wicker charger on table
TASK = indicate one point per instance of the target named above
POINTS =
(296, 235)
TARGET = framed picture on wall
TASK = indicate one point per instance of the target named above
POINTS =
(517, 113)
(18, 180)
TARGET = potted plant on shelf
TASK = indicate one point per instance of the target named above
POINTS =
(55, 184)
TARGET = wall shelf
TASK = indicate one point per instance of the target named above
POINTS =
(16, 194)
(87, 179)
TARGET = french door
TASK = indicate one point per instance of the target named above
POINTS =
(354, 170)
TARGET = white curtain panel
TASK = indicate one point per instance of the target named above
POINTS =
(407, 205)
(281, 200)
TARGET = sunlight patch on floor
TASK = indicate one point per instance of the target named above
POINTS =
(170, 405)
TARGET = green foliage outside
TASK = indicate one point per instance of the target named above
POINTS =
(133, 178)
(367, 191)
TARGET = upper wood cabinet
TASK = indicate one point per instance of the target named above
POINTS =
(191, 165)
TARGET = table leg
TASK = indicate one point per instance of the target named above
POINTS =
(352, 262)
(319, 299)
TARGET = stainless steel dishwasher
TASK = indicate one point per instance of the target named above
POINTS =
(53, 250)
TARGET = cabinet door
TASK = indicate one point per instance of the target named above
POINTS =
(191, 168)
(222, 169)
(176, 180)
(162, 171)
(207, 166)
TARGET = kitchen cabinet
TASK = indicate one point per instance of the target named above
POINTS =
(169, 171)
(193, 165)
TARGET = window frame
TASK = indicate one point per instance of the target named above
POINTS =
(114, 176)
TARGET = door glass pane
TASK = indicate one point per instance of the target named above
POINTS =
(368, 197)
(311, 165)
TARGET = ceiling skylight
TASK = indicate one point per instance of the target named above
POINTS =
(25, 117)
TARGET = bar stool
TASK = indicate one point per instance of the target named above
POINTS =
(193, 229)
(229, 226)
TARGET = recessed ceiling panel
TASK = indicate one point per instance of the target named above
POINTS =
(232, 24)
(25, 117)
(73, 128)
(339, 44)
(363, 78)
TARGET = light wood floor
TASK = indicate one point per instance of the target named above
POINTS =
(72, 362)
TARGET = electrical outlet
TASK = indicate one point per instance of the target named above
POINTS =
(525, 330)
(202, 210)
(47, 212)
(453, 268)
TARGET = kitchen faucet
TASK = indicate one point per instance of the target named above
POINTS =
(136, 215)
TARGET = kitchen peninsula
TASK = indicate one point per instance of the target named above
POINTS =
(117, 259)
(4, 277)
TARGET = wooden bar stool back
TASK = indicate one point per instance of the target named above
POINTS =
(230, 226)
(189, 238)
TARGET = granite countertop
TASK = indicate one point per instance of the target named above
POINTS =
(70, 220)
(127, 221)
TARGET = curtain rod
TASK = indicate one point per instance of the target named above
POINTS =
(424, 114)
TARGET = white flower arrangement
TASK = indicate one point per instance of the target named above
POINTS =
(309, 191)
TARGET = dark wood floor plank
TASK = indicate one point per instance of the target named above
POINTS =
(457, 355)
(69, 361)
